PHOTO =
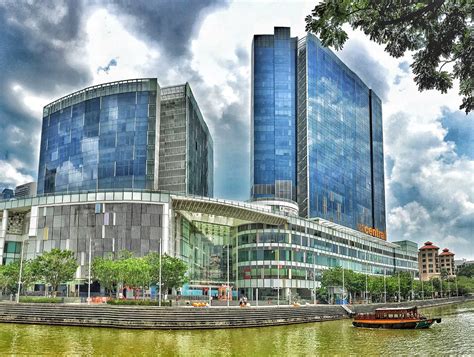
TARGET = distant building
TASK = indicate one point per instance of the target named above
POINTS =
(462, 262)
(446, 261)
(7, 193)
(430, 263)
(26, 190)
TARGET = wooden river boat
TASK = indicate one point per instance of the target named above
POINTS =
(394, 318)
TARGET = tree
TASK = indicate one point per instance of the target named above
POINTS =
(106, 272)
(9, 274)
(466, 270)
(134, 272)
(55, 267)
(173, 272)
(439, 31)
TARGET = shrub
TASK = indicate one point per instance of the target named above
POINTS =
(138, 302)
(41, 300)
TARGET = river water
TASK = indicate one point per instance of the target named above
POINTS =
(454, 336)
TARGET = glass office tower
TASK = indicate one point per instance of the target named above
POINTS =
(101, 137)
(108, 137)
(339, 140)
(186, 146)
(273, 135)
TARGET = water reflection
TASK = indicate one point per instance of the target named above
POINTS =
(452, 336)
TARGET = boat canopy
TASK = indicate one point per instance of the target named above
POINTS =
(396, 309)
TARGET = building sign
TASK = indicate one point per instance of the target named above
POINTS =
(372, 231)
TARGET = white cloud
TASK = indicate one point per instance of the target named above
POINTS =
(11, 175)
(430, 189)
(107, 39)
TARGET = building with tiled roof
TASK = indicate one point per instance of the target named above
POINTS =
(430, 263)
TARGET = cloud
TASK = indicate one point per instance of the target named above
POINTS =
(106, 69)
(460, 129)
(404, 66)
(430, 191)
(358, 58)
(39, 62)
(12, 175)
(170, 24)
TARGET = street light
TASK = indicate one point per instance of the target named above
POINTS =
(343, 283)
(20, 272)
(227, 287)
(399, 294)
(384, 286)
(90, 268)
(159, 287)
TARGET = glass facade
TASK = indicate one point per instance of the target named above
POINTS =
(205, 247)
(338, 141)
(186, 162)
(100, 138)
(339, 147)
(108, 137)
(274, 115)
(378, 177)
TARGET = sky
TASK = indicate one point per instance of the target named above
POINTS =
(51, 48)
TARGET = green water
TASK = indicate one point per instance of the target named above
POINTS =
(454, 336)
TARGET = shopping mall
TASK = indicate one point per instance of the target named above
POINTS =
(250, 245)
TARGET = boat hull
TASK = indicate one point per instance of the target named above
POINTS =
(387, 324)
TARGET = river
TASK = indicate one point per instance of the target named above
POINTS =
(454, 336)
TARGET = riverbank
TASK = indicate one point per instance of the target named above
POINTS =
(137, 317)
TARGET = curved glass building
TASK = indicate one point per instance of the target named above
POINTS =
(108, 137)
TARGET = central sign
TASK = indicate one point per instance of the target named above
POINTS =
(374, 232)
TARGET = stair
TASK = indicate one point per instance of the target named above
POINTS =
(164, 317)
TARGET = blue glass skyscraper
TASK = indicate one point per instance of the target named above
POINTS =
(339, 138)
(273, 136)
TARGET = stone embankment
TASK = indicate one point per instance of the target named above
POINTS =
(420, 303)
(165, 318)
(136, 317)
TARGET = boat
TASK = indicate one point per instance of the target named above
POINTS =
(394, 318)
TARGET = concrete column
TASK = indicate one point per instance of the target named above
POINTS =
(3, 233)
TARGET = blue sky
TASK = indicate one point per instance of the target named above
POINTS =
(49, 49)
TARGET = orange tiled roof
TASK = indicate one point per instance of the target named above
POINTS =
(429, 245)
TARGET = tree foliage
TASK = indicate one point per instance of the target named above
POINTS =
(106, 272)
(55, 267)
(139, 272)
(439, 32)
(466, 270)
(403, 282)
(9, 276)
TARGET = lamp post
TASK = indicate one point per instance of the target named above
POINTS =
(159, 273)
(366, 286)
(384, 286)
(228, 275)
(343, 284)
(314, 280)
(20, 273)
(399, 292)
(422, 290)
(90, 268)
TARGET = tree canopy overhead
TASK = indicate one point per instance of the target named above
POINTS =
(440, 32)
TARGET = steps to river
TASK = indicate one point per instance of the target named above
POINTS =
(137, 317)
